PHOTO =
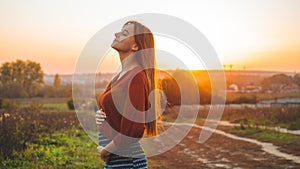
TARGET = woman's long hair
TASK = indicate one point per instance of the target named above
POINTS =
(146, 59)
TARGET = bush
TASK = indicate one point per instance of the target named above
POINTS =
(8, 105)
(243, 99)
(71, 104)
(294, 126)
(17, 128)
(25, 125)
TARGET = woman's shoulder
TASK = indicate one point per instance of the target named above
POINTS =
(138, 75)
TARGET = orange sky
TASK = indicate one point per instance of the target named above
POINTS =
(281, 60)
(257, 34)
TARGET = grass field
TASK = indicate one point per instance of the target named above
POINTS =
(263, 134)
(60, 142)
(65, 149)
(56, 140)
(46, 104)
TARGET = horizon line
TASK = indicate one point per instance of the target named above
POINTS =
(224, 70)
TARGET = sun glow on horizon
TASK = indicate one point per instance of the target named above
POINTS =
(250, 35)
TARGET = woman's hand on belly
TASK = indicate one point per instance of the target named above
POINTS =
(104, 154)
(100, 117)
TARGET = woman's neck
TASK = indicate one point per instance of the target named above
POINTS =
(128, 63)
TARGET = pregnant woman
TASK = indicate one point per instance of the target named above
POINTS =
(127, 111)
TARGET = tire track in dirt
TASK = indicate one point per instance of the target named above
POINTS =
(267, 147)
(219, 151)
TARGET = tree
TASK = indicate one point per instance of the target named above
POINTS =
(180, 88)
(171, 90)
(56, 83)
(20, 78)
(275, 82)
(296, 79)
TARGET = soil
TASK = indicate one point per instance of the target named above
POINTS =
(220, 152)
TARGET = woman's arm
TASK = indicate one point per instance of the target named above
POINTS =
(104, 152)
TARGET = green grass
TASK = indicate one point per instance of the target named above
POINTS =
(263, 134)
(294, 125)
(68, 149)
(40, 100)
(67, 146)
(55, 107)
(48, 107)
(46, 104)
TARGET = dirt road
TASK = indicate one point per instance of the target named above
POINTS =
(220, 151)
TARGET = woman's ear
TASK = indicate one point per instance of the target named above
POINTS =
(135, 47)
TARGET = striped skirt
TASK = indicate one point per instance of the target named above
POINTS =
(134, 156)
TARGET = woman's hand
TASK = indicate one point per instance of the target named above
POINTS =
(104, 154)
(100, 117)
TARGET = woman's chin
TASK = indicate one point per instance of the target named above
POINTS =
(114, 47)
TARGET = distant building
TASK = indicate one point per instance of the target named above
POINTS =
(251, 88)
(289, 88)
(233, 88)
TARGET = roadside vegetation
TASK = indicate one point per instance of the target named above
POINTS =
(32, 136)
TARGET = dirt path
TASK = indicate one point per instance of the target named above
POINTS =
(219, 151)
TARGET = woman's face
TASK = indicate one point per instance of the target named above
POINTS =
(125, 40)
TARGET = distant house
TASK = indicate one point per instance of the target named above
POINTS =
(252, 87)
(249, 88)
(275, 87)
(289, 88)
(233, 88)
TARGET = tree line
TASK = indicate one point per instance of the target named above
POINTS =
(277, 81)
(23, 79)
(20, 78)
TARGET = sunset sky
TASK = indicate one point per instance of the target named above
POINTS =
(256, 34)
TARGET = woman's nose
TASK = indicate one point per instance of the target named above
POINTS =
(117, 34)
